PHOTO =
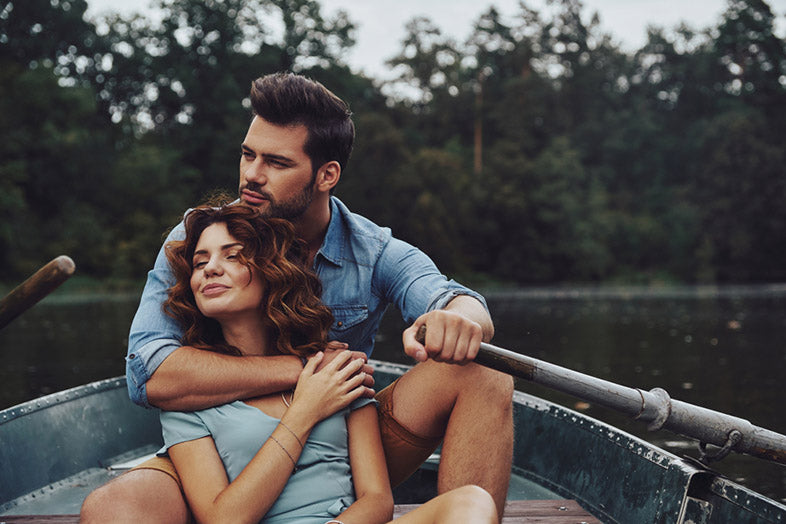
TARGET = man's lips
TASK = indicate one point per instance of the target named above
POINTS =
(252, 197)
(214, 289)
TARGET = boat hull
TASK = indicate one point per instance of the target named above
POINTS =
(55, 449)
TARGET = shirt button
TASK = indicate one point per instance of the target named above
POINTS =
(132, 356)
(339, 323)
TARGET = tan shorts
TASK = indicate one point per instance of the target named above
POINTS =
(404, 450)
(162, 464)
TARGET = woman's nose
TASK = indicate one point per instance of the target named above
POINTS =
(212, 267)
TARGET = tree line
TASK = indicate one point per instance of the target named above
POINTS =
(535, 151)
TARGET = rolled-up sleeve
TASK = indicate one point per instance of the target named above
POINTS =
(153, 335)
(411, 280)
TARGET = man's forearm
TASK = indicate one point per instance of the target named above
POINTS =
(472, 309)
(191, 379)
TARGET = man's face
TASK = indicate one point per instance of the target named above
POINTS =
(275, 173)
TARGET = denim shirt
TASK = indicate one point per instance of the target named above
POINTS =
(362, 269)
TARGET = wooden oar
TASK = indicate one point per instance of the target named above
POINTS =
(654, 407)
(39, 285)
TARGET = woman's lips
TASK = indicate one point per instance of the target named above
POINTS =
(214, 289)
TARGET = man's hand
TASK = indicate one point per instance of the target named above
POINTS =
(335, 348)
(450, 337)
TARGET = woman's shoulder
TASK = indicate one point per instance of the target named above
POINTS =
(362, 402)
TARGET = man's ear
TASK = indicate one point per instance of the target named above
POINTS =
(328, 176)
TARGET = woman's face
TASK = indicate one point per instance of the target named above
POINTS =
(223, 287)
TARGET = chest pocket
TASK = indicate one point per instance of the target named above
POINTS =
(347, 317)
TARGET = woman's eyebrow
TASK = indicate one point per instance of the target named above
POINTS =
(223, 248)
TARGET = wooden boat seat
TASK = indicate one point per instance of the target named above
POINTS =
(533, 511)
(516, 512)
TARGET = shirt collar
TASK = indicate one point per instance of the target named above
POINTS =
(333, 243)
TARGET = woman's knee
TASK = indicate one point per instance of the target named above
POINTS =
(472, 504)
(474, 495)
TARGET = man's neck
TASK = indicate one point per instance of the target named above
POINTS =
(312, 226)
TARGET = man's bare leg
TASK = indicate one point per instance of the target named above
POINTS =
(141, 495)
(472, 407)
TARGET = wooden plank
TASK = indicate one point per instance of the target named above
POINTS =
(516, 512)
(534, 512)
(39, 519)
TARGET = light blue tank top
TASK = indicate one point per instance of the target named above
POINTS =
(318, 491)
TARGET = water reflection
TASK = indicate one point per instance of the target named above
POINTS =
(717, 348)
(720, 348)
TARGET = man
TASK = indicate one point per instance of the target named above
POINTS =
(292, 157)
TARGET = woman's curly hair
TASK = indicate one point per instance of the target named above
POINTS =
(291, 306)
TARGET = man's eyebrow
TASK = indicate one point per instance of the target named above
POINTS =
(269, 156)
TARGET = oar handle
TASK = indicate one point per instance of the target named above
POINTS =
(654, 407)
(495, 358)
(39, 285)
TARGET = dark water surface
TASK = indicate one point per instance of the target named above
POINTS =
(720, 348)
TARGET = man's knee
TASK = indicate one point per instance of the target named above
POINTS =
(495, 386)
(137, 496)
(499, 385)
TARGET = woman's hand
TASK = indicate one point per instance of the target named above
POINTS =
(322, 393)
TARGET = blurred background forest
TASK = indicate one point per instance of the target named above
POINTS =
(534, 152)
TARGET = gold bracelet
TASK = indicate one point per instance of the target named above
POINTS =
(294, 463)
(293, 433)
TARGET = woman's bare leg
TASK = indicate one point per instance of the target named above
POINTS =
(467, 504)
(141, 495)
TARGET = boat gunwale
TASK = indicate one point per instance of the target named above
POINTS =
(60, 397)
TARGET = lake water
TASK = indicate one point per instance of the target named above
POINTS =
(720, 348)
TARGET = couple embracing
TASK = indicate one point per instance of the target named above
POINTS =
(252, 336)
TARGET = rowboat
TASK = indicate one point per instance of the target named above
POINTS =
(56, 449)
(567, 466)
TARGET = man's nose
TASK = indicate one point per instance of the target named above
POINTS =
(255, 172)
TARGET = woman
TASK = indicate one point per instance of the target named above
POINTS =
(309, 456)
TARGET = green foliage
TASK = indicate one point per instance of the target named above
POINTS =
(534, 152)
(55, 152)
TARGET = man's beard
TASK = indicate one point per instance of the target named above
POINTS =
(290, 209)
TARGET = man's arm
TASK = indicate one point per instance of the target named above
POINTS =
(190, 379)
(456, 317)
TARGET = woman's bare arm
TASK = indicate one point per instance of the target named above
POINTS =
(213, 499)
(374, 503)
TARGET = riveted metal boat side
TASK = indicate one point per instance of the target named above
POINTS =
(59, 435)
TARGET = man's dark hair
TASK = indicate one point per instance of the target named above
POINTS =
(287, 99)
